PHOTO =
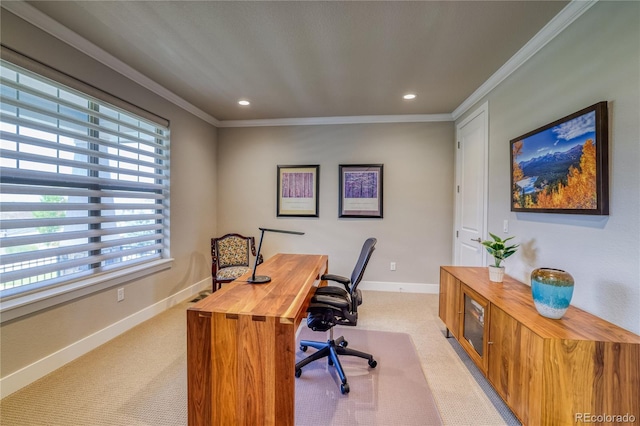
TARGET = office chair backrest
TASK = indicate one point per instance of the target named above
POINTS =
(365, 254)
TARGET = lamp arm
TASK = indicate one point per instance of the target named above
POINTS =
(265, 279)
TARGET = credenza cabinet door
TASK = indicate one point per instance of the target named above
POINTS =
(449, 304)
(474, 324)
(515, 365)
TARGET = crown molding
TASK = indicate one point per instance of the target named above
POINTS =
(59, 31)
(559, 23)
(357, 119)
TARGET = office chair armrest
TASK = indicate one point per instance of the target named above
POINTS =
(339, 279)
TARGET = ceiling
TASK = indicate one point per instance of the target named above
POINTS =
(304, 59)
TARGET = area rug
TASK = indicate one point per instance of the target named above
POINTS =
(394, 393)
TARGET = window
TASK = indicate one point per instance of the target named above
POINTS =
(84, 186)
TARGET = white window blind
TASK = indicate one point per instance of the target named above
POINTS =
(84, 185)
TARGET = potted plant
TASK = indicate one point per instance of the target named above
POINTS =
(499, 249)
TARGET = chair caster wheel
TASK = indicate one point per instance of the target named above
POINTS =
(373, 363)
(303, 348)
(344, 388)
(330, 361)
(344, 344)
(298, 372)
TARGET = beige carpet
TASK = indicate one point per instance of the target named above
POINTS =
(139, 378)
(462, 394)
(393, 393)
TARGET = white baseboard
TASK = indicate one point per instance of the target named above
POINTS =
(46, 365)
(400, 287)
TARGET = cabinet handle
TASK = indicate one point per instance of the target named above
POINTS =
(489, 343)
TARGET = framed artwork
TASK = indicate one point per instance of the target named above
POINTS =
(361, 190)
(298, 189)
(563, 167)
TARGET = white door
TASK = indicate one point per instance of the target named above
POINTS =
(471, 188)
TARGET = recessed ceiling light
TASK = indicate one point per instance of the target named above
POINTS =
(244, 102)
(409, 96)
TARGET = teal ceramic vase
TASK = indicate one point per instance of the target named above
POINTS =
(552, 290)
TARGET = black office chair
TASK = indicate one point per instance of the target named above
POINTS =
(331, 306)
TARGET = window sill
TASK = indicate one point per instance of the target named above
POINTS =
(19, 306)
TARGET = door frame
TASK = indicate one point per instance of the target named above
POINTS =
(482, 110)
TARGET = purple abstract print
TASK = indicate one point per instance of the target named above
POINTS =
(297, 185)
(361, 184)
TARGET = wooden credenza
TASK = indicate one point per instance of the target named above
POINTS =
(575, 370)
(241, 345)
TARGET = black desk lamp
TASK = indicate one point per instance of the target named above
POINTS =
(261, 279)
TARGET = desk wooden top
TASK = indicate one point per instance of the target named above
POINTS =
(515, 299)
(293, 277)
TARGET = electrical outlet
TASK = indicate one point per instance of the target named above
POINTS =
(120, 294)
(393, 266)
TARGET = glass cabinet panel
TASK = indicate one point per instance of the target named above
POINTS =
(474, 324)
(474, 327)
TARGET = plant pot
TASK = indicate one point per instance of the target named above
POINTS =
(552, 290)
(496, 273)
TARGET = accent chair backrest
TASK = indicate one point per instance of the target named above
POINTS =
(232, 251)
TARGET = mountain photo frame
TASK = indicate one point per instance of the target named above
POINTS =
(563, 167)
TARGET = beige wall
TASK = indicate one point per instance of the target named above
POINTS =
(596, 58)
(193, 214)
(418, 193)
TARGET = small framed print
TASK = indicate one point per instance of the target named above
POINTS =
(361, 190)
(298, 189)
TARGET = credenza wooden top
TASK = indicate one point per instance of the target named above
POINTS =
(515, 299)
(284, 297)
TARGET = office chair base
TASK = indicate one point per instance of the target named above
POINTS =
(332, 349)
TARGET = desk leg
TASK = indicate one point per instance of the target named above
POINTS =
(252, 371)
(257, 378)
(285, 369)
(267, 378)
(199, 368)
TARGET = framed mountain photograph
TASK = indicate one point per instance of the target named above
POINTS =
(563, 167)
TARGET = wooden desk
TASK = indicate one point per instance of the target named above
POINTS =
(241, 345)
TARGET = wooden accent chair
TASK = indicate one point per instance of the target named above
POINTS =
(230, 258)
